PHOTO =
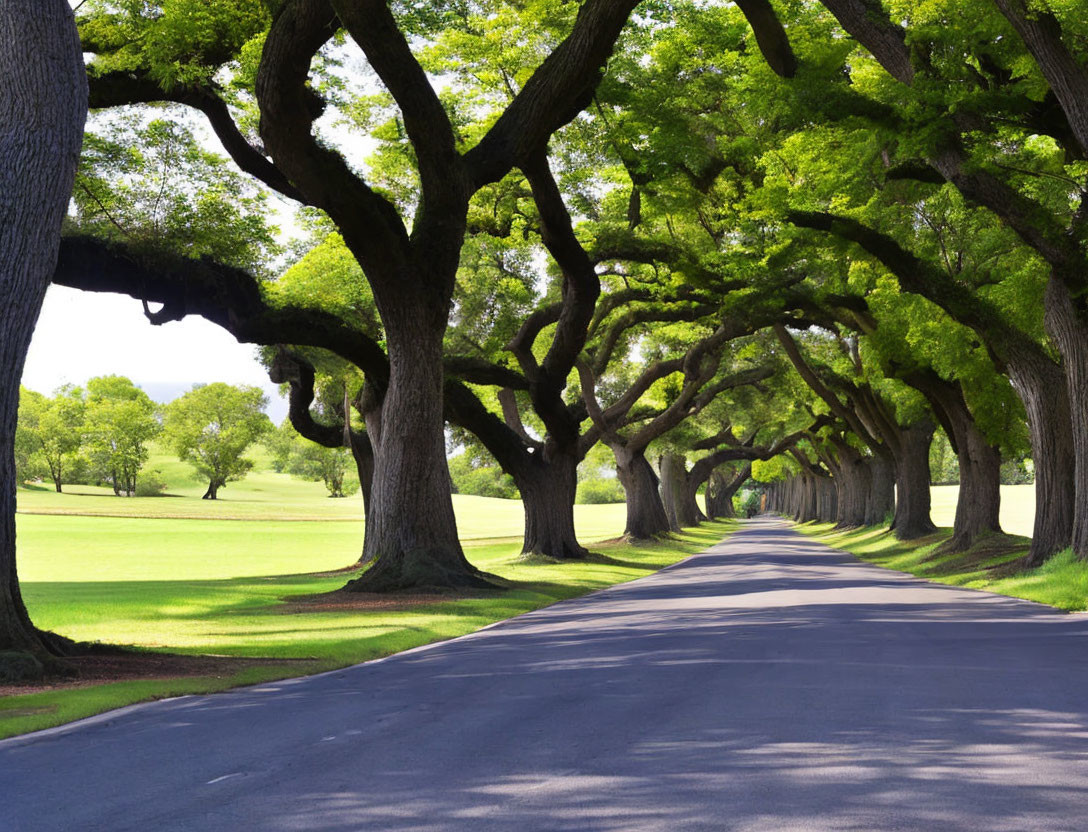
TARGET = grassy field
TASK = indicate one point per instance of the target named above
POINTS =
(1017, 507)
(1062, 582)
(200, 578)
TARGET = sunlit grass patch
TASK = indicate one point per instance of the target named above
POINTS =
(992, 565)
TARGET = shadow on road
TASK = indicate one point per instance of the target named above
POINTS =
(769, 684)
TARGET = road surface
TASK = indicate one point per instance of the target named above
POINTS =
(767, 684)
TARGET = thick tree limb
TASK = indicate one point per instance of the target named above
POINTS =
(561, 87)
(1067, 76)
(372, 26)
(806, 372)
(870, 25)
(228, 297)
(480, 371)
(117, 88)
(771, 37)
(292, 369)
(916, 276)
(371, 226)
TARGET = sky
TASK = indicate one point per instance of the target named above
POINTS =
(81, 335)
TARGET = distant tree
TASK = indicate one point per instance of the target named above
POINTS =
(280, 443)
(53, 427)
(212, 426)
(333, 466)
(943, 465)
(28, 459)
(120, 422)
(472, 474)
(307, 460)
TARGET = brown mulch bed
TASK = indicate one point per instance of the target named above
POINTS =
(99, 669)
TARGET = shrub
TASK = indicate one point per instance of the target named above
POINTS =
(151, 484)
(597, 491)
(469, 477)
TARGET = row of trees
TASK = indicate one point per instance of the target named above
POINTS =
(96, 434)
(101, 433)
(798, 237)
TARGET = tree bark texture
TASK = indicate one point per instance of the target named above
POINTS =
(678, 493)
(853, 483)
(646, 517)
(1067, 323)
(548, 489)
(912, 482)
(978, 503)
(880, 501)
(43, 106)
(412, 534)
(1041, 386)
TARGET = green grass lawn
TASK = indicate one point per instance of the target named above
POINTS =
(1062, 582)
(188, 576)
(1017, 507)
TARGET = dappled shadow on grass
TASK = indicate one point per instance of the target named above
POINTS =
(992, 557)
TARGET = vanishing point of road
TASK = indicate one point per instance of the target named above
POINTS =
(769, 683)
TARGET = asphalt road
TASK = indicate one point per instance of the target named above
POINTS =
(769, 683)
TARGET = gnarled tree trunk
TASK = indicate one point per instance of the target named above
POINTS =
(678, 493)
(548, 489)
(1067, 324)
(720, 491)
(880, 501)
(412, 533)
(1041, 387)
(43, 105)
(853, 481)
(912, 482)
(646, 516)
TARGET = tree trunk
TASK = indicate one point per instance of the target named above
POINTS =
(880, 501)
(1041, 386)
(548, 489)
(1066, 324)
(978, 501)
(411, 535)
(646, 516)
(720, 491)
(978, 505)
(828, 502)
(689, 511)
(912, 497)
(362, 451)
(678, 493)
(43, 105)
(213, 490)
(853, 482)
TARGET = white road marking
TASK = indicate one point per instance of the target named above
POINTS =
(224, 777)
